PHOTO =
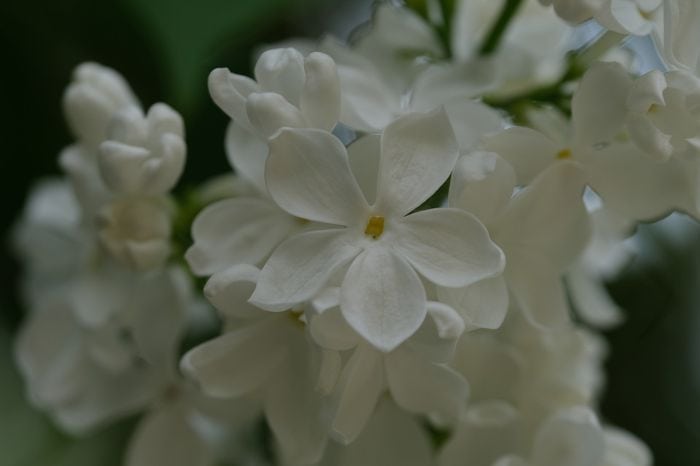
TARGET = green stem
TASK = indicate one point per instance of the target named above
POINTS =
(495, 35)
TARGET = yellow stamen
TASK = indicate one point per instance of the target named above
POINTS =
(564, 154)
(653, 108)
(648, 15)
(375, 226)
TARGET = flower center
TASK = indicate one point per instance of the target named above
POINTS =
(564, 154)
(653, 108)
(375, 226)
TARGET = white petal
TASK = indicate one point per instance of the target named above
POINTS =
(230, 289)
(489, 430)
(268, 112)
(230, 91)
(363, 155)
(320, 98)
(294, 409)
(440, 83)
(236, 231)
(392, 437)
(537, 288)
(449, 247)
(329, 371)
(572, 437)
(591, 300)
(527, 150)
(482, 184)
(368, 104)
(165, 436)
(646, 91)
(300, 267)
(382, 298)
(330, 330)
(247, 154)
(548, 217)
(624, 449)
(281, 71)
(483, 304)
(361, 383)
(308, 175)
(415, 384)
(449, 324)
(472, 121)
(630, 183)
(237, 362)
(599, 105)
(648, 138)
(419, 152)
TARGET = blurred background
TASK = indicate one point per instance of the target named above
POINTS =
(165, 49)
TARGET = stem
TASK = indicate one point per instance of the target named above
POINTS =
(495, 35)
(445, 30)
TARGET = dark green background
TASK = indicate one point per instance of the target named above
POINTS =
(165, 49)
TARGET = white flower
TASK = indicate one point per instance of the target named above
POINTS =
(628, 182)
(143, 154)
(136, 231)
(542, 229)
(382, 297)
(266, 356)
(290, 91)
(409, 372)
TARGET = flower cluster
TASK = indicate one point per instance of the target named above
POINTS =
(413, 222)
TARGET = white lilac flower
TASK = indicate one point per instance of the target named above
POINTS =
(627, 180)
(408, 373)
(265, 356)
(541, 230)
(89, 370)
(289, 90)
(382, 296)
(143, 154)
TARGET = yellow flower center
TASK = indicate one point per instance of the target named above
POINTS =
(564, 154)
(375, 226)
(653, 108)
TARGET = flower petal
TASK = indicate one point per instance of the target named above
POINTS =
(281, 71)
(361, 383)
(229, 91)
(548, 217)
(419, 151)
(320, 98)
(599, 105)
(268, 112)
(571, 437)
(247, 154)
(413, 381)
(368, 104)
(236, 231)
(449, 247)
(230, 289)
(308, 175)
(165, 436)
(382, 298)
(300, 267)
(527, 150)
(237, 362)
(483, 304)
(482, 184)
